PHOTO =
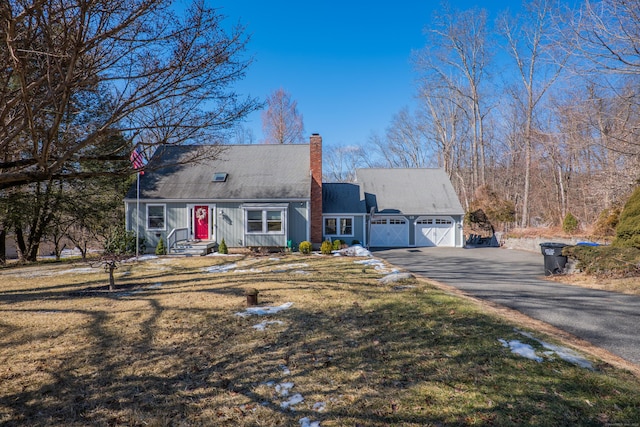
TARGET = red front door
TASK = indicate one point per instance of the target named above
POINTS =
(201, 215)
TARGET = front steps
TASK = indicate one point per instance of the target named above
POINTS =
(195, 247)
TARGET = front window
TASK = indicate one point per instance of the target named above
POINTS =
(254, 221)
(155, 217)
(264, 221)
(338, 226)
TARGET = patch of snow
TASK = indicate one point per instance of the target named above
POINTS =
(262, 325)
(261, 311)
(355, 251)
(563, 353)
(274, 259)
(521, 349)
(396, 277)
(250, 270)
(294, 400)
(378, 265)
(302, 272)
(220, 268)
(319, 406)
(286, 267)
(306, 422)
(82, 270)
(155, 286)
(285, 370)
(283, 388)
(140, 258)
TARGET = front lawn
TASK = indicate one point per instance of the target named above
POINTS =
(175, 345)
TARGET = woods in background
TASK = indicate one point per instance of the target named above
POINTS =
(539, 108)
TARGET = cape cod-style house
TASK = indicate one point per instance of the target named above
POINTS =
(273, 196)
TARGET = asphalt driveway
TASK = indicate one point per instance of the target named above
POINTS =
(515, 279)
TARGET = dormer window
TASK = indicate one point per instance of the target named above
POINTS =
(220, 177)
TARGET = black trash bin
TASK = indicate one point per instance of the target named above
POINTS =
(554, 261)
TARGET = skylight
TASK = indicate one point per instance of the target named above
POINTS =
(220, 176)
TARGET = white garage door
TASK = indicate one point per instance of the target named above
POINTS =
(389, 232)
(432, 231)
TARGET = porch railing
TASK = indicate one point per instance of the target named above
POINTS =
(177, 235)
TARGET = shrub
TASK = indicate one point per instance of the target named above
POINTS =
(305, 247)
(628, 229)
(605, 260)
(122, 242)
(607, 222)
(160, 248)
(326, 248)
(337, 245)
(222, 248)
(570, 223)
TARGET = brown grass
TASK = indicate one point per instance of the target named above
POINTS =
(625, 285)
(167, 348)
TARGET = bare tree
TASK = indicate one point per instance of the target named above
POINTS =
(404, 144)
(281, 121)
(76, 72)
(456, 58)
(530, 43)
(340, 163)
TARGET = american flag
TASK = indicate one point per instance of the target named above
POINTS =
(136, 160)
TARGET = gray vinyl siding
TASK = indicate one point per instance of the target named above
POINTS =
(176, 216)
(358, 229)
(298, 222)
(229, 224)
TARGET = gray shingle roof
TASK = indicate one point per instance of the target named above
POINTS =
(409, 191)
(342, 198)
(256, 172)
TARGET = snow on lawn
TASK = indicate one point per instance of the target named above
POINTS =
(355, 251)
(526, 350)
(563, 353)
(283, 388)
(221, 268)
(263, 325)
(306, 422)
(521, 349)
(294, 400)
(233, 267)
(286, 267)
(379, 265)
(261, 311)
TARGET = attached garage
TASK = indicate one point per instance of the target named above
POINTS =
(391, 232)
(411, 207)
(435, 231)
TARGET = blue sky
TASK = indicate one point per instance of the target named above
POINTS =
(346, 63)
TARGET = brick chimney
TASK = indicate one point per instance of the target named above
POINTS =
(315, 157)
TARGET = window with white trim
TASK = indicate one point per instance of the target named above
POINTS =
(264, 221)
(156, 215)
(338, 226)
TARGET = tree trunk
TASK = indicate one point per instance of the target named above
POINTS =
(3, 246)
(20, 246)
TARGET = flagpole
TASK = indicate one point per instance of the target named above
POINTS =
(138, 216)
